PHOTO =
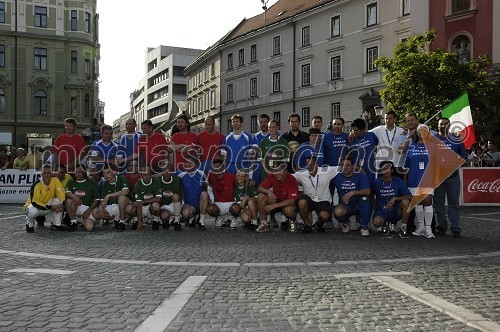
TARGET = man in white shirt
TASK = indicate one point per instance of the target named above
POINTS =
(316, 194)
(388, 137)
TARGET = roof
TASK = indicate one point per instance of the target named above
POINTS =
(281, 10)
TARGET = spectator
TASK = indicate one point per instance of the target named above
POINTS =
(4, 159)
(34, 158)
(20, 161)
(490, 157)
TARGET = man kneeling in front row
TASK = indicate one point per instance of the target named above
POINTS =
(47, 197)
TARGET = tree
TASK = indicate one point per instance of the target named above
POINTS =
(417, 80)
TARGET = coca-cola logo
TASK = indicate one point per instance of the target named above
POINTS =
(484, 187)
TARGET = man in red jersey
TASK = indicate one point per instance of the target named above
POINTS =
(210, 141)
(281, 198)
(183, 141)
(151, 149)
(68, 146)
(222, 184)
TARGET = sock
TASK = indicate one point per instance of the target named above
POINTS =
(177, 208)
(202, 219)
(419, 215)
(122, 221)
(176, 219)
(403, 227)
(73, 221)
(428, 213)
(254, 222)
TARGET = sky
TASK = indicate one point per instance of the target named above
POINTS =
(128, 27)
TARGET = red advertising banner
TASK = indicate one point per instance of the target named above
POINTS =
(481, 185)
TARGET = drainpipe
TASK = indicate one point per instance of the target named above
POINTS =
(15, 78)
(294, 68)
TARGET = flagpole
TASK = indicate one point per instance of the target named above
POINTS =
(439, 111)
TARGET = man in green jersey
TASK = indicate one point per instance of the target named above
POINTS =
(147, 200)
(272, 149)
(81, 199)
(171, 198)
(246, 197)
(114, 198)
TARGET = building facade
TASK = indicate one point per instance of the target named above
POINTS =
(49, 65)
(162, 86)
(307, 57)
(468, 27)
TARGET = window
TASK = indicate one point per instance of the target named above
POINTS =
(253, 123)
(306, 117)
(461, 46)
(277, 81)
(2, 55)
(229, 126)
(276, 45)
(87, 22)
(87, 105)
(2, 101)
(306, 74)
(241, 57)
(306, 37)
(335, 110)
(371, 14)
(460, 5)
(73, 110)
(212, 98)
(335, 22)
(253, 87)
(87, 66)
(230, 61)
(40, 58)
(2, 11)
(406, 7)
(335, 65)
(40, 17)
(74, 20)
(230, 93)
(371, 56)
(212, 69)
(253, 53)
(277, 117)
(41, 102)
(74, 61)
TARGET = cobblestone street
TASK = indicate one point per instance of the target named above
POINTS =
(224, 280)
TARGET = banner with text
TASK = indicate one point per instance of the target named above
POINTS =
(15, 185)
(481, 186)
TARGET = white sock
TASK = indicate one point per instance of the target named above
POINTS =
(177, 208)
(176, 219)
(254, 222)
(419, 214)
(428, 213)
(202, 219)
(73, 221)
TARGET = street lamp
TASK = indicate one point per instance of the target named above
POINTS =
(264, 4)
(379, 113)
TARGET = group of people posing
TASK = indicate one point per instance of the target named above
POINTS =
(374, 173)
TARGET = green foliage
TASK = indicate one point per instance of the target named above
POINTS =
(418, 79)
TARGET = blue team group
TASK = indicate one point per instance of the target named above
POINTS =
(297, 181)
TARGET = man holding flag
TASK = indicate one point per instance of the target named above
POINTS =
(458, 116)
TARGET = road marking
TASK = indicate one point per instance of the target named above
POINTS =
(251, 264)
(474, 218)
(459, 313)
(43, 271)
(168, 310)
(13, 217)
(487, 214)
(370, 274)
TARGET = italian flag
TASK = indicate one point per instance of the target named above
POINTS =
(461, 119)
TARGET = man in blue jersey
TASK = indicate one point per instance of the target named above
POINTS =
(238, 146)
(450, 188)
(354, 191)
(362, 148)
(313, 147)
(106, 151)
(334, 143)
(257, 139)
(194, 189)
(392, 199)
(129, 140)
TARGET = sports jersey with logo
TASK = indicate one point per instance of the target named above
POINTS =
(385, 191)
(144, 191)
(86, 190)
(118, 184)
(169, 188)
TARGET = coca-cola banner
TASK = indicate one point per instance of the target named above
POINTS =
(481, 186)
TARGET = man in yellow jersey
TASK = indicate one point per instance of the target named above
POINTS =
(47, 197)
